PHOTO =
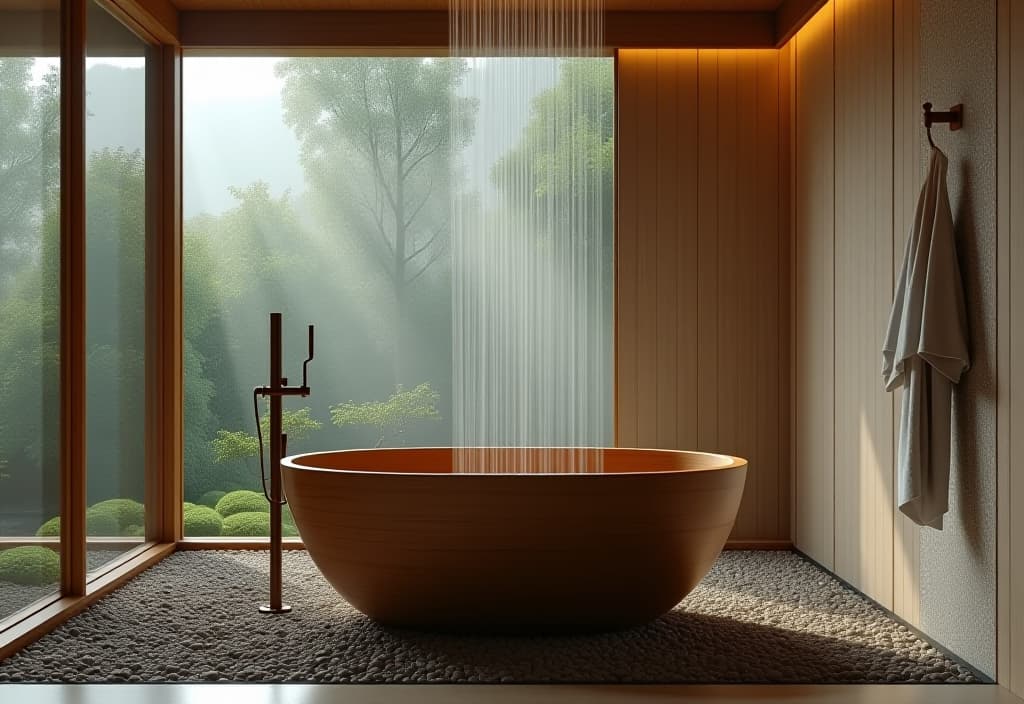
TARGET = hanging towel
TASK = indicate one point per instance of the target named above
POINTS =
(925, 351)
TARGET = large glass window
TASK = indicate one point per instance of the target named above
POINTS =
(29, 305)
(323, 188)
(115, 188)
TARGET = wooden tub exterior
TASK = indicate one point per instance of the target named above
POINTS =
(411, 544)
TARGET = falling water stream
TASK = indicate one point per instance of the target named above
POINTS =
(531, 250)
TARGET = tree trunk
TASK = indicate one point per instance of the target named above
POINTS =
(400, 260)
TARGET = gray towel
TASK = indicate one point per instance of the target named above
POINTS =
(925, 351)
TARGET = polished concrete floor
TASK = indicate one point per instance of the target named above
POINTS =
(501, 694)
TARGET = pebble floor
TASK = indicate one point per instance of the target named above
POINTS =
(757, 617)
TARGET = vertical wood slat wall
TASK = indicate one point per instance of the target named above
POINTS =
(907, 181)
(863, 294)
(1010, 624)
(702, 265)
(857, 160)
(814, 289)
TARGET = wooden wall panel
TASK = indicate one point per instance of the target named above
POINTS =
(814, 289)
(907, 179)
(706, 303)
(863, 285)
(856, 153)
(627, 166)
(701, 326)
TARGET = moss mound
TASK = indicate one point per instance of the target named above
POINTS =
(50, 529)
(102, 522)
(211, 498)
(29, 564)
(202, 522)
(128, 512)
(253, 524)
(98, 522)
(242, 501)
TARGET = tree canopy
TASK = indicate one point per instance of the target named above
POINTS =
(377, 135)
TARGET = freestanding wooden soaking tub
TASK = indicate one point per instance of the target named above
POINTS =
(410, 543)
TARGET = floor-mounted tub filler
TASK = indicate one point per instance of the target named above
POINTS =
(508, 539)
(411, 543)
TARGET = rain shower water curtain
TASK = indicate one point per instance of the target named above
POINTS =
(532, 237)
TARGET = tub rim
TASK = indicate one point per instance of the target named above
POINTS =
(727, 462)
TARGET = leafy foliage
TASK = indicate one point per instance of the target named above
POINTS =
(238, 444)
(557, 153)
(29, 169)
(393, 415)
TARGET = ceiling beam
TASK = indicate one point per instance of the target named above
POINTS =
(157, 20)
(377, 30)
(791, 16)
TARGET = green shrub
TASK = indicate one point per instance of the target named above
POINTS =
(98, 521)
(242, 501)
(253, 524)
(134, 532)
(50, 529)
(211, 498)
(29, 564)
(187, 505)
(127, 512)
(101, 521)
(202, 521)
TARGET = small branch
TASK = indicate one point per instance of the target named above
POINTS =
(426, 198)
(437, 254)
(416, 162)
(433, 238)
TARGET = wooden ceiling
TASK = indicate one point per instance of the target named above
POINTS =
(442, 5)
(395, 25)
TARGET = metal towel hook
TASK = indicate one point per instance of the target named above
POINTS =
(954, 117)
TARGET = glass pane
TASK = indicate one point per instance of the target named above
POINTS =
(115, 189)
(320, 188)
(29, 300)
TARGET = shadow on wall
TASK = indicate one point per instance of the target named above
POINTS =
(979, 383)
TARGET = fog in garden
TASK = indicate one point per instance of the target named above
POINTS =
(293, 203)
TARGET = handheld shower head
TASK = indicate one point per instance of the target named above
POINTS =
(305, 380)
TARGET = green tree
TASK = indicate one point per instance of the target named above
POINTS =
(116, 317)
(234, 445)
(391, 416)
(29, 285)
(236, 266)
(377, 135)
(29, 160)
(567, 144)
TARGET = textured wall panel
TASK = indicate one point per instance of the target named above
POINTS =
(958, 592)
